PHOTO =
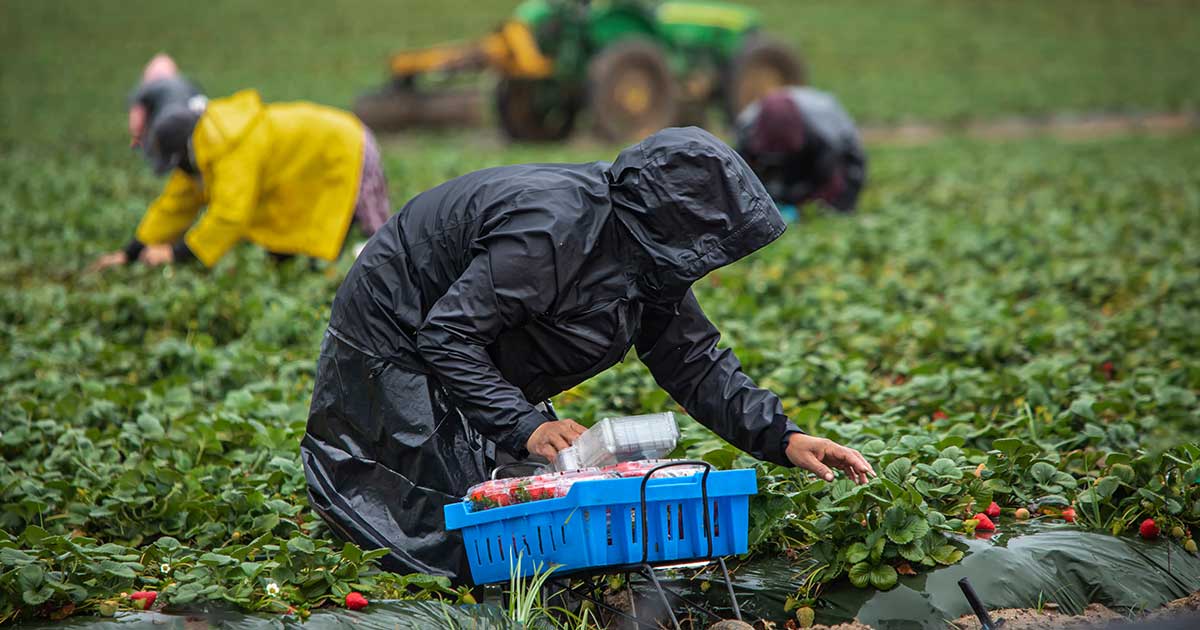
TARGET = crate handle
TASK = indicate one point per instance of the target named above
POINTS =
(535, 466)
(703, 498)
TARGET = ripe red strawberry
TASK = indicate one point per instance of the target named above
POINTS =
(985, 523)
(1148, 529)
(992, 510)
(1069, 515)
(1108, 369)
(143, 599)
(537, 494)
(940, 415)
(356, 601)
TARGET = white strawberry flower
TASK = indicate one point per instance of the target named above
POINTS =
(272, 588)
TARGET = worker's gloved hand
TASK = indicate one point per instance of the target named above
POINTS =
(111, 259)
(819, 456)
(553, 436)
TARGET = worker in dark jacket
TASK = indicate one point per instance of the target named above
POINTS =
(493, 292)
(804, 147)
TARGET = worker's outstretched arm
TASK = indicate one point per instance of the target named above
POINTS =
(170, 215)
(165, 220)
(233, 196)
(512, 277)
(680, 348)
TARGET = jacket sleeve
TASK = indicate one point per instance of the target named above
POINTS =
(510, 279)
(233, 196)
(172, 212)
(681, 351)
(854, 164)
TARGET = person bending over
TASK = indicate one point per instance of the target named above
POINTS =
(290, 177)
(487, 295)
(804, 147)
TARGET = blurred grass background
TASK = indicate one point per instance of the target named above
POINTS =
(67, 66)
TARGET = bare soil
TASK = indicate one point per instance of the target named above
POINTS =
(1030, 619)
(1096, 615)
(1185, 605)
(1063, 127)
(853, 625)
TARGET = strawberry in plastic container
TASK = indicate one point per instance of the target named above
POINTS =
(490, 494)
(538, 492)
(642, 467)
(519, 492)
(503, 492)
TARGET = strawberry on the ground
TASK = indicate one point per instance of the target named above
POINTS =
(1069, 515)
(992, 510)
(1148, 529)
(355, 601)
(940, 415)
(1189, 545)
(1108, 369)
(985, 524)
(143, 599)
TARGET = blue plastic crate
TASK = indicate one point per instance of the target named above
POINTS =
(599, 524)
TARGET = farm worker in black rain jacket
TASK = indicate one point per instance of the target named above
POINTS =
(804, 147)
(499, 289)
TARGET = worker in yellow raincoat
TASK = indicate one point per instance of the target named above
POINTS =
(290, 177)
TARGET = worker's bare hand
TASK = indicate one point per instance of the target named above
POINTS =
(155, 255)
(111, 259)
(820, 455)
(553, 436)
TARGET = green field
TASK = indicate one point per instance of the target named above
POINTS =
(1031, 307)
(66, 67)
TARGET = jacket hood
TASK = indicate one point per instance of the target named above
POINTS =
(691, 205)
(225, 123)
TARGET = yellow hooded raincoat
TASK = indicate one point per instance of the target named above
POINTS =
(284, 176)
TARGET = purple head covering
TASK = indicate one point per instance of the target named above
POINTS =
(780, 126)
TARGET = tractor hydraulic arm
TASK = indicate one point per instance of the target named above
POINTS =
(511, 50)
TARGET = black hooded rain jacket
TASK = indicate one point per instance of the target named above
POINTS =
(501, 288)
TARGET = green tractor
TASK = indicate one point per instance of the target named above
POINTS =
(634, 66)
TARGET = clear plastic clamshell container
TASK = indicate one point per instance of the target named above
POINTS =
(496, 493)
(615, 440)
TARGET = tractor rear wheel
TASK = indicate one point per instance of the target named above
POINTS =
(760, 67)
(535, 110)
(631, 92)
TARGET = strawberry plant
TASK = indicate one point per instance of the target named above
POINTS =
(1013, 324)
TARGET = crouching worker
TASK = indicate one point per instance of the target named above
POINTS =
(804, 147)
(494, 291)
(289, 177)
